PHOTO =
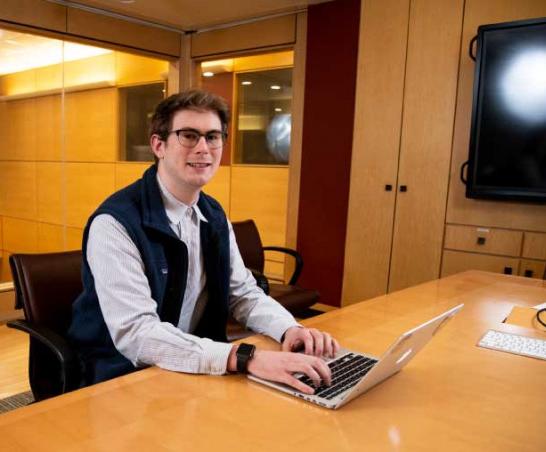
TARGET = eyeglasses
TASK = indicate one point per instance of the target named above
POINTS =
(190, 137)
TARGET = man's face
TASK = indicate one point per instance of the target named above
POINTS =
(189, 169)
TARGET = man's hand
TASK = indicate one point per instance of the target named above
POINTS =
(279, 367)
(311, 340)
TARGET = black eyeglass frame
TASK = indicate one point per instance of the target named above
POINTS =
(199, 134)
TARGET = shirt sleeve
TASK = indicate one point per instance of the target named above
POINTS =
(249, 304)
(130, 312)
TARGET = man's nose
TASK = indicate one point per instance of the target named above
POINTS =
(201, 145)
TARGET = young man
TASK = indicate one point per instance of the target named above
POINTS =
(162, 270)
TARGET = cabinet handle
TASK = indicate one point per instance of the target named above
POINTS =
(528, 273)
(388, 187)
(481, 241)
(507, 270)
(403, 188)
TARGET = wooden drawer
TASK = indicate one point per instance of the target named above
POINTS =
(459, 261)
(534, 245)
(483, 240)
(532, 269)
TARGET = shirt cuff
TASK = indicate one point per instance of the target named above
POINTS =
(215, 357)
(278, 327)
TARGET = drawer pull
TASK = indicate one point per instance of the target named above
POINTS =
(388, 187)
(528, 273)
(507, 270)
(481, 241)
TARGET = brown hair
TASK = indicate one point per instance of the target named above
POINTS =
(193, 99)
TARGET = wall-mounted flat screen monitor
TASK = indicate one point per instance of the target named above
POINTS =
(507, 156)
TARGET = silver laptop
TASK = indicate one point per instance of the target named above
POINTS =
(353, 373)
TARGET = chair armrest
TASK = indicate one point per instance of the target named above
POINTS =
(68, 359)
(295, 255)
(261, 280)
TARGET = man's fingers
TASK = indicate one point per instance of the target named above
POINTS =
(296, 384)
(312, 374)
(336, 347)
(328, 346)
(324, 371)
(308, 342)
(318, 342)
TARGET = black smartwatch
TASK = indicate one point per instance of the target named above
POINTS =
(245, 352)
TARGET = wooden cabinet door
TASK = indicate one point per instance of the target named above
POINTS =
(534, 245)
(425, 151)
(376, 141)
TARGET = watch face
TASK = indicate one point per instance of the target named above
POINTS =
(244, 354)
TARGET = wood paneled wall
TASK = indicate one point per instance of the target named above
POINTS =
(279, 31)
(59, 156)
(395, 238)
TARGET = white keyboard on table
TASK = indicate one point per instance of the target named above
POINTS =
(514, 343)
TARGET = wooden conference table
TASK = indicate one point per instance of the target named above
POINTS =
(452, 396)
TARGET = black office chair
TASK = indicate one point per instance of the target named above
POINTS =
(293, 297)
(46, 285)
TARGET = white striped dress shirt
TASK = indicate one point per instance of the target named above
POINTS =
(130, 312)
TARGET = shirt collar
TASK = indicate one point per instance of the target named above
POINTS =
(175, 209)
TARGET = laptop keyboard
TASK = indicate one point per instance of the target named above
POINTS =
(347, 371)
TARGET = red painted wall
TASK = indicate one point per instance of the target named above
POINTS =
(330, 83)
(222, 84)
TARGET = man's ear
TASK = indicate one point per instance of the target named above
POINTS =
(157, 145)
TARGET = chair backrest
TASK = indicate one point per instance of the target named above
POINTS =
(250, 244)
(46, 285)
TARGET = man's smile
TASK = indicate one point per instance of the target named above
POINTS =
(199, 165)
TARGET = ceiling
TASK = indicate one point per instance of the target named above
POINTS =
(195, 14)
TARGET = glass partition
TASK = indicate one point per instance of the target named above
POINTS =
(73, 129)
(263, 122)
(252, 182)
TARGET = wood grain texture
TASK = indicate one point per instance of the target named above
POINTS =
(20, 236)
(51, 238)
(20, 138)
(48, 114)
(264, 33)
(260, 193)
(116, 31)
(87, 185)
(460, 209)
(220, 187)
(459, 261)
(128, 172)
(5, 271)
(91, 130)
(74, 237)
(432, 403)
(294, 168)
(51, 186)
(18, 195)
(376, 141)
(534, 245)
(537, 268)
(37, 13)
(14, 359)
(497, 241)
(425, 148)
